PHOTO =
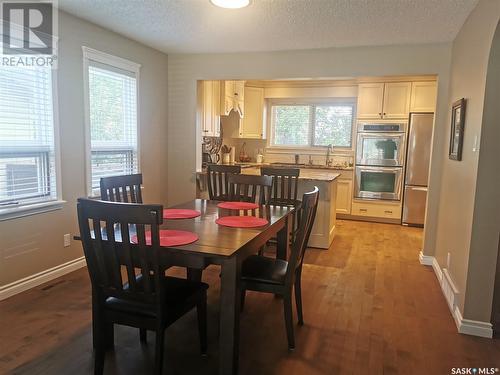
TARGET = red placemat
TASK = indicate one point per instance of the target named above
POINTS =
(171, 237)
(179, 213)
(238, 205)
(241, 221)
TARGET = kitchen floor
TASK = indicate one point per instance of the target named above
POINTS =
(369, 308)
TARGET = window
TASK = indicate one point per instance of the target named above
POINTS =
(309, 125)
(27, 151)
(112, 149)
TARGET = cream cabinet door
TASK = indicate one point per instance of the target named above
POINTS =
(210, 115)
(370, 99)
(344, 196)
(252, 123)
(396, 100)
(423, 97)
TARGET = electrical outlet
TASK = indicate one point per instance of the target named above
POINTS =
(67, 239)
(448, 260)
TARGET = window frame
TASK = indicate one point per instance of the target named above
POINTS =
(46, 203)
(89, 55)
(313, 103)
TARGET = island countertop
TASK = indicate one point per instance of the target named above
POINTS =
(305, 174)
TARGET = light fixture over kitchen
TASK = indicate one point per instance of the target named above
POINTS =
(230, 4)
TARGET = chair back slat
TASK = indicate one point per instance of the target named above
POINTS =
(125, 188)
(217, 180)
(106, 230)
(307, 215)
(285, 185)
(248, 188)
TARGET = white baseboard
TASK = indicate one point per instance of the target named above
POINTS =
(37, 279)
(426, 260)
(450, 293)
(472, 327)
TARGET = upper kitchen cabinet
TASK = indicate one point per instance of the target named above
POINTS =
(423, 97)
(252, 124)
(384, 100)
(233, 97)
(209, 108)
(370, 100)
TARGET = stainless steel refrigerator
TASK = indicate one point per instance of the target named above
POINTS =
(417, 168)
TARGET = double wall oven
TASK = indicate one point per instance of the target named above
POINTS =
(380, 153)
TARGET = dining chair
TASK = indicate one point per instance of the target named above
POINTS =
(285, 185)
(115, 245)
(218, 180)
(125, 188)
(279, 276)
(248, 188)
(284, 190)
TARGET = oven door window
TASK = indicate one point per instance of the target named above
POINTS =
(377, 182)
(377, 150)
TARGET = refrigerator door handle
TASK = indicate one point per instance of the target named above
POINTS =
(417, 188)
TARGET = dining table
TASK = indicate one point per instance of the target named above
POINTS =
(227, 247)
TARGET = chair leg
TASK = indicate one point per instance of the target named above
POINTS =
(287, 307)
(109, 336)
(159, 349)
(99, 356)
(298, 300)
(100, 338)
(201, 310)
(243, 295)
(143, 335)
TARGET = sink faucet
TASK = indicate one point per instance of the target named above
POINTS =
(329, 150)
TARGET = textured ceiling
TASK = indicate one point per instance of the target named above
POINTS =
(196, 26)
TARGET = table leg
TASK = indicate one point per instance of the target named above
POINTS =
(229, 317)
(194, 274)
(283, 240)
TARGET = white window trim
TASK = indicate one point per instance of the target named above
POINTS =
(28, 209)
(90, 54)
(320, 150)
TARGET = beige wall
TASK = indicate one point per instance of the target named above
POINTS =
(470, 54)
(33, 244)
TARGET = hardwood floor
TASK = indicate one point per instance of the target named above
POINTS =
(369, 308)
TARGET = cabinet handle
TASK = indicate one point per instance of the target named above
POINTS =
(385, 113)
(205, 131)
(380, 113)
(235, 94)
(388, 212)
(363, 210)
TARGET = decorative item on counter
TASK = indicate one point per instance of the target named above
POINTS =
(226, 154)
(260, 156)
(297, 158)
(211, 146)
(244, 157)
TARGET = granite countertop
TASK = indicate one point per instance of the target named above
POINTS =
(291, 165)
(305, 174)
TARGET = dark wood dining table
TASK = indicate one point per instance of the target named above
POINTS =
(227, 247)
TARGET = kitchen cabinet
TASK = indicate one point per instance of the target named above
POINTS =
(252, 124)
(377, 209)
(423, 97)
(389, 100)
(344, 195)
(209, 108)
(233, 97)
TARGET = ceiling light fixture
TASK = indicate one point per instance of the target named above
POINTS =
(230, 4)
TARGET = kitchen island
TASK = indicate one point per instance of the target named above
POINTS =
(323, 230)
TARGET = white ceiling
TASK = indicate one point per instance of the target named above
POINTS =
(196, 26)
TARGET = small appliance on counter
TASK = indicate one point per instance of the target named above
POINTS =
(260, 157)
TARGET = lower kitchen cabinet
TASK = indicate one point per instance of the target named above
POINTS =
(377, 209)
(344, 195)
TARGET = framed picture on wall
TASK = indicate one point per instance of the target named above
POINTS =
(457, 129)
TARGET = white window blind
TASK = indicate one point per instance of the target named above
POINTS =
(27, 155)
(113, 122)
(312, 124)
